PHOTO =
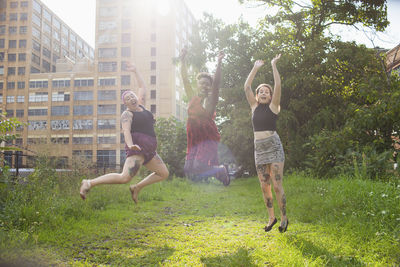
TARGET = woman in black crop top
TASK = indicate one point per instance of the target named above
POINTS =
(268, 150)
(140, 145)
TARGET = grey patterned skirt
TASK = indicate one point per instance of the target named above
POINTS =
(268, 150)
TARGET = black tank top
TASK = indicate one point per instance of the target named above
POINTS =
(264, 119)
(143, 122)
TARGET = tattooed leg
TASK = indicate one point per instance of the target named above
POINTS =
(135, 168)
(277, 174)
(265, 183)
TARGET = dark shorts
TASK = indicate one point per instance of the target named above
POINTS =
(147, 143)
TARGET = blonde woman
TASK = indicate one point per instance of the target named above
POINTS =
(268, 150)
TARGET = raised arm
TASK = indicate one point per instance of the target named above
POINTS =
(247, 85)
(215, 86)
(276, 96)
(184, 73)
(142, 86)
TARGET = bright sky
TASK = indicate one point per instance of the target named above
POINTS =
(80, 16)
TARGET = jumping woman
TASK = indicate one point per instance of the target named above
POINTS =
(268, 150)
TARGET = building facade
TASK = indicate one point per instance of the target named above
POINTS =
(68, 93)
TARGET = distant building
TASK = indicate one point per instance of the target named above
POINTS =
(68, 93)
(393, 59)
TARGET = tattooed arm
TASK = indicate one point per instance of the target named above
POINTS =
(126, 122)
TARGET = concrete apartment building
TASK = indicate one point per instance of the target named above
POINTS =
(68, 93)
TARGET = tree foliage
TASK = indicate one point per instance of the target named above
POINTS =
(338, 108)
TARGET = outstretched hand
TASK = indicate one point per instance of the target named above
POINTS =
(134, 148)
(221, 55)
(275, 59)
(258, 64)
(130, 67)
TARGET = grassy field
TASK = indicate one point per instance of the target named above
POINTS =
(338, 222)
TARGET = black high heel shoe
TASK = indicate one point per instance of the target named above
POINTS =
(283, 229)
(269, 227)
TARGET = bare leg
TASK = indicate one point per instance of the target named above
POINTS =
(265, 183)
(277, 176)
(160, 172)
(131, 167)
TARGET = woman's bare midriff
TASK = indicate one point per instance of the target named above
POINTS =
(263, 134)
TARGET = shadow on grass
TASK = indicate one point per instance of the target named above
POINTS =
(311, 251)
(240, 258)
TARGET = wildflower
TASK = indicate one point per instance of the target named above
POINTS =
(383, 212)
(344, 214)
(384, 195)
(371, 193)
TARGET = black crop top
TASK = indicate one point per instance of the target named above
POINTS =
(143, 122)
(264, 119)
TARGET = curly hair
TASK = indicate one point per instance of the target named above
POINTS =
(204, 75)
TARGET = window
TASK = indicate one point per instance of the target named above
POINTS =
(47, 15)
(24, 3)
(46, 65)
(33, 111)
(56, 35)
(61, 83)
(1, 87)
(106, 124)
(3, 16)
(22, 43)
(36, 46)
(19, 113)
(36, 20)
(107, 25)
(23, 16)
(106, 95)
(83, 125)
(107, 39)
(59, 139)
(125, 79)
(12, 43)
(83, 110)
(10, 113)
(153, 65)
(38, 84)
(37, 125)
(107, 52)
(106, 109)
(21, 85)
(82, 139)
(35, 59)
(125, 52)
(106, 158)
(37, 7)
(12, 30)
(106, 138)
(78, 82)
(12, 57)
(60, 110)
(14, 4)
(21, 70)
(10, 99)
(10, 85)
(126, 38)
(38, 97)
(107, 81)
(153, 37)
(46, 52)
(2, 29)
(47, 28)
(153, 52)
(108, 11)
(13, 16)
(2, 42)
(83, 96)
(107, 66)
(60, 96)
(11, 71)
(84, 154)
(153, 94)
(34, 70)
(153, 79)
(59, 124)
(23, 29)
(20, 99)
(56, 23)
(153, 109)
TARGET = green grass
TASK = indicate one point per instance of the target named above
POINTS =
(339, 222)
